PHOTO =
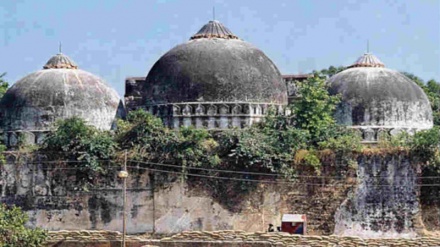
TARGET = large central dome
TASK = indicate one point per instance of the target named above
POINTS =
(214, 66)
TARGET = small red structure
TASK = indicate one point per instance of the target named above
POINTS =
(294, 223)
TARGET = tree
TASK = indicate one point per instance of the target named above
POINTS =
(314, 110)
(3, 88)
(3, 85)
(432, 90)
(332, 70)
(13, 232)
(416, 79)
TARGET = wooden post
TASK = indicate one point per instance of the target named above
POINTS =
(124, 216)
(123, 175)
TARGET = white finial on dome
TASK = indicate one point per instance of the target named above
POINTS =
(368, 46)
(214, 29)
(60, 61)
(368, 60)
(213, 13)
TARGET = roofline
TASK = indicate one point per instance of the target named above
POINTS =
(297, 76)
(137, 78)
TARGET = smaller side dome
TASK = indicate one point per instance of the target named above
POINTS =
(375, 99)
(60, 61)
(214, 29)
(59, 91)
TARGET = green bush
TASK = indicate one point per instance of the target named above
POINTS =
(13, 232)
(148, 140)
(342, 141)
(2, 156)
(425, 146)
(4, 85)
(84, 146)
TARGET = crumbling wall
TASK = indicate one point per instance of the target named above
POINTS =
(55, 199)
(385, 202)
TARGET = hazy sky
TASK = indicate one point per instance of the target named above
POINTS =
(115, 39)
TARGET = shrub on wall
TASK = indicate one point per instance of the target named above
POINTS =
(13, 232)
(84, 146)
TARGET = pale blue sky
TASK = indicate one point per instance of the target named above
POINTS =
(119, 38)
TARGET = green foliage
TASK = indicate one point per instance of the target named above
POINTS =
(252, 150)
(3, 85)
(195, 147)
(344, 141)
(415, 79)
(13, 232)
(2, 156)
(344, 144)
(270, 146)
(141, 128)
(432, 90)
(387, 141)
(314, 110)
(76, 141)
(332, 70)
(283, 136)
(151, 141)
(3, 88)
(425, 146)
(308, 160)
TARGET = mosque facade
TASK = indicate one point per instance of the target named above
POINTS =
(214, 81)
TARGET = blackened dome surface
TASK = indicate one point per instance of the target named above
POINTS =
(45, 96)
(214, 70)
(374, 96)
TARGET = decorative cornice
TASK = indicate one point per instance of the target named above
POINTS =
(210, 109)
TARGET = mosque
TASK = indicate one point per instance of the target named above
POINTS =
(214, 81)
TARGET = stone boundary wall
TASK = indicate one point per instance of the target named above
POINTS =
(51, 195)
(223, 239)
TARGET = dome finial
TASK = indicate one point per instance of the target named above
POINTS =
(368, 46)
(367, 60)
(60, 61)
(213, 13)
(214, 29)
(59, 48)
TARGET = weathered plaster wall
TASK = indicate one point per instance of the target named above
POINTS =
(50, 194)
(385, 203)
(382, 201)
